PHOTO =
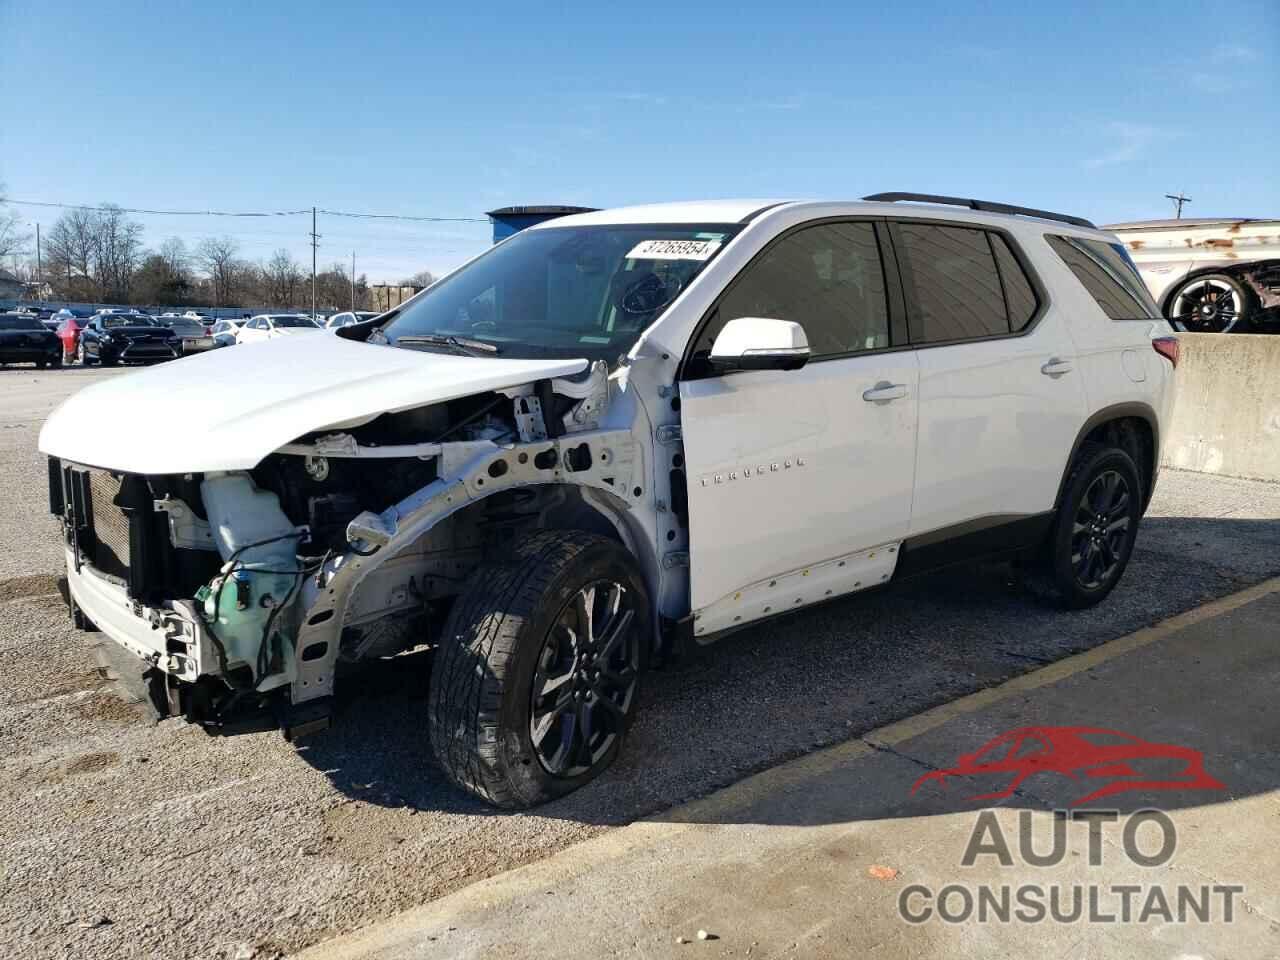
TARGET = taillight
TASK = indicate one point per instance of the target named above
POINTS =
(1167, 347)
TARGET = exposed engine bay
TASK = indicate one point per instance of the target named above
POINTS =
(344, 545)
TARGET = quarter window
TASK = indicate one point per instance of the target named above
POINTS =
(951, 283)
(1020, 297)
(1105, 270)
(827, 278)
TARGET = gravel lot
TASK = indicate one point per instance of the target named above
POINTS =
(124, 839)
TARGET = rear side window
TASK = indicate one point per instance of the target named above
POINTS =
(1108, 274)
(951, 283)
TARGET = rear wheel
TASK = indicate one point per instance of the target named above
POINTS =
(1212, 303)
(536, 679)
(1095, 528)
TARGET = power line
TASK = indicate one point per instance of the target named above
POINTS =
(268, 213)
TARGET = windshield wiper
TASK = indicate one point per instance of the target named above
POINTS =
(461, 344)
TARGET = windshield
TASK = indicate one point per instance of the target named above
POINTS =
(293, 322)
(125, 320)
(565, 291)
(20, 323)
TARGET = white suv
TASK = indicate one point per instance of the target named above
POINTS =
(605, 438)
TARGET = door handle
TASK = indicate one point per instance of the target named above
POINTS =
(1056, 367)
(884, 391)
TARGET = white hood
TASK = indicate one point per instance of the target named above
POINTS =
(229, 408)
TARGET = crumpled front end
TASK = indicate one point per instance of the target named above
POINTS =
(195, 578)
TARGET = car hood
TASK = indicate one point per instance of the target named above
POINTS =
(227, 409)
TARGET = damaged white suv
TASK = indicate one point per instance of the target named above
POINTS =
(607, 437)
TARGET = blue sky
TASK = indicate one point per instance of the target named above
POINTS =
(1094, 109)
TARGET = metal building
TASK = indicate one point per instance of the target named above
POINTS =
(509, 220)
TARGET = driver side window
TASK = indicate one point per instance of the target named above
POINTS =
(828, 278)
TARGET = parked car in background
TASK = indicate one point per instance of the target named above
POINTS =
(1210, 275)
(70, 323)
(197, 315)
(224, 331)
(195, 335)
(346, 319)
(270, 326)
(111, 338)
(24, 339)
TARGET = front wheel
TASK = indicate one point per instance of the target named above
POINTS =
(1095, 527)
(536, 679)
(82, 355)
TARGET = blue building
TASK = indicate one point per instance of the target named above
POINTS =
(509, 220)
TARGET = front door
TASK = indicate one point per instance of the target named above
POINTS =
(788, 469)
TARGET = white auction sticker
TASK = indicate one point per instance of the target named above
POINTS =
(673, 249)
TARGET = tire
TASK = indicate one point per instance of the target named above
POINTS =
(56, 362)
(41, 364)
(509, 631)
(81, 355)
(1095, 528)
(1211, 303)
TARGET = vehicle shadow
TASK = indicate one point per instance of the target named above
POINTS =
(834, 673)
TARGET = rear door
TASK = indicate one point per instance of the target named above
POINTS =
(788, 469)
(1001, 397)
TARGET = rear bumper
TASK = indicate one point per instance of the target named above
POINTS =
(171, 639)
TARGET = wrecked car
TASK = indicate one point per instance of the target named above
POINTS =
(608, 438)
(1210, 275)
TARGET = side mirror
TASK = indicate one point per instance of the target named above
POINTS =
(759, 343)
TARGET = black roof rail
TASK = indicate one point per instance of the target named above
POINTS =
(985, 205)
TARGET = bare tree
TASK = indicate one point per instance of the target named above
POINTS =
(217, 256)
(12, 239)
(176, 258)
(281, 277)
(70, 251)
(118, 252)
(423, 278)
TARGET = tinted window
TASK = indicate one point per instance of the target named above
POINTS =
(826, 278)
(1108, 274)
(952, 287)
(1019, 296)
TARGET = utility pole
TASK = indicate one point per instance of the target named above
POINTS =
(315, 242)
(353, 281)
(1178, 200)
(39, 262)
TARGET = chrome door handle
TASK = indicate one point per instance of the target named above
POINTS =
(884, 391)
(1056, 367)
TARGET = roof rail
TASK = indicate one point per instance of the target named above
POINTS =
(986, 205)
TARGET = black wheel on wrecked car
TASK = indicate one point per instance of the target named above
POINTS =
(537, 675)
(1211, 303)
(82, 355)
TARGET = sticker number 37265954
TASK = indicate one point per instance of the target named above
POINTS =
(673, 249)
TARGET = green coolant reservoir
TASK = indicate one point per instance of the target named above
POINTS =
(260, 577)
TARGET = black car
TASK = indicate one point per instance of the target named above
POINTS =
(126, 338)
(23, 339)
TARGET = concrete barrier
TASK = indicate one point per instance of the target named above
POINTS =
(1227, 416)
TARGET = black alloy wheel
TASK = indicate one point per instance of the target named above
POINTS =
(537, 674)
(1215, 303)
(1100, 529)
(1094, 529)
(585, 683)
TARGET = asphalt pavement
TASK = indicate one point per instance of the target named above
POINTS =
(122, 839)
(1125, 808)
